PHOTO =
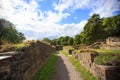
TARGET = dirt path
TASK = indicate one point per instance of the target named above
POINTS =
(65, 69)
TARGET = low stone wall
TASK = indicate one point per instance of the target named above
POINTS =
(109, 47)
(58, 48)
(113, 41)
(25, 64)
(86, 58)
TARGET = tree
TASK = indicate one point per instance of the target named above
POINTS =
(77, 39)
(70, 41)
(112, 25)
(9, 33)
(46, 40)
(93, 30)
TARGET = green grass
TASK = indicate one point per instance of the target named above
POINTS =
(86, 75)
(48, 70)
(108, 57)
(106, 51)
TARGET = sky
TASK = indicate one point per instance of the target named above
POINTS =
(38, 19)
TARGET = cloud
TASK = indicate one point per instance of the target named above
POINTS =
(105, 8)
(72, 29)
(29, 18)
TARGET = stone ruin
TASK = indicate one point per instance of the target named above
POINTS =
(112, 43)
(87, 57)
(24, 64)
(58, 47)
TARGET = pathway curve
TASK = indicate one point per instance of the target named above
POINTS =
(65, 69)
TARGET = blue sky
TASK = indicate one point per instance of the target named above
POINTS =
(54, 18)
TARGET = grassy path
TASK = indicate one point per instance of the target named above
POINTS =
(65, 69)
(48, 70)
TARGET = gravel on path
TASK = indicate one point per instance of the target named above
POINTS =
(65, 69)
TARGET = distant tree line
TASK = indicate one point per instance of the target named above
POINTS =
(96, 29)
(8, 33)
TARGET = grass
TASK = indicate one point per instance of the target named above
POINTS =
(86, 75)
(108, 57)
(48, 70)
(17, 47)
(12, 47)
(106, 51)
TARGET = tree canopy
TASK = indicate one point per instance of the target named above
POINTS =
(9, 33)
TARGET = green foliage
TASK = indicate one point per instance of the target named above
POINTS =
(46, 40)
(93, 29)
(70, 41)
(9, 33)
(86, 75)
(77, 39)
(64, 40)
(112, 25)
(48, 70)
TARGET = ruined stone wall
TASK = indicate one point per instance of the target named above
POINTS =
(112, 43)
(58, 48)
(25, 64)
(102, 72)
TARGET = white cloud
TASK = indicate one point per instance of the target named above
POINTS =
(28, 17)
(63, 5)
(105, 8)
(53, 17)
(72, 29)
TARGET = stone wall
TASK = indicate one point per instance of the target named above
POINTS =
(58, 48)
(23, 65)
(112, 43)
(102, 72)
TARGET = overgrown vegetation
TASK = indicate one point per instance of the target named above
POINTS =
(86, 75)
(108, 57)
(16, 47)
(48, 70)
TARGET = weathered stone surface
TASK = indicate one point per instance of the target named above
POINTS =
(24, 65)
(113, 41)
